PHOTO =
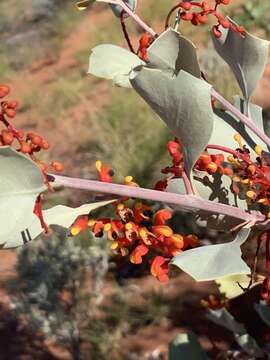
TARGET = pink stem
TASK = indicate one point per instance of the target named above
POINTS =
(235, 153)
(187, 183)
(189, 202)
(223, 148)
(137, 19)
(243, 118)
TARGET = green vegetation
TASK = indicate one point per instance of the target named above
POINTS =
(254, 14)
(127, 124)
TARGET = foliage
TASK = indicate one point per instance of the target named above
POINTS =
(219, 169)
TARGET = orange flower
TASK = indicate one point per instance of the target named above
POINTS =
(121, 245)
(146, 236)
(160, 268)
(105, 172)
(173, 244)
(125, 213)
(98, 228)
(141, 212)
(137, 253)
(79, 225)
(162, 216)
(162, 230)
(213, 302)
(175, 151)
(145, 41)
(113, 228)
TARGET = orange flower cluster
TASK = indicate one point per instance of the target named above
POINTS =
(251, 178)
(137, 231)
(213, 164)
(29, 143)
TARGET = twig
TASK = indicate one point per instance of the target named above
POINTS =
(243, 118)
(189, 202)
(136, 18)
(124, 29)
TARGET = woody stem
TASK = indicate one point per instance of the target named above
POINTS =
(243, 118)
(189, 202)
(136, 18)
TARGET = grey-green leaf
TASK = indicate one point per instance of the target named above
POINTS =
(264, 312)
(246, 56)
(249, 345)
(58, 215)
(172, 52)
(183, 102)
(186, 346)
(211, 262)
(65, 216)
(215, 188)
(114, 63)
(227, 125)
(223, 318)
(21, 182)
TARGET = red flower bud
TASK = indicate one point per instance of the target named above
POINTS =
(4, 90)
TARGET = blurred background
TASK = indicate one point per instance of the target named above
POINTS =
(71, 298)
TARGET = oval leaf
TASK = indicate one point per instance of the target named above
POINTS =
(230, 285)
(246, 56)
(58, 215)
(65, 216)
(172, 52)
(214, 261)
(114, 63)
(183, 102)
(21, 182)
